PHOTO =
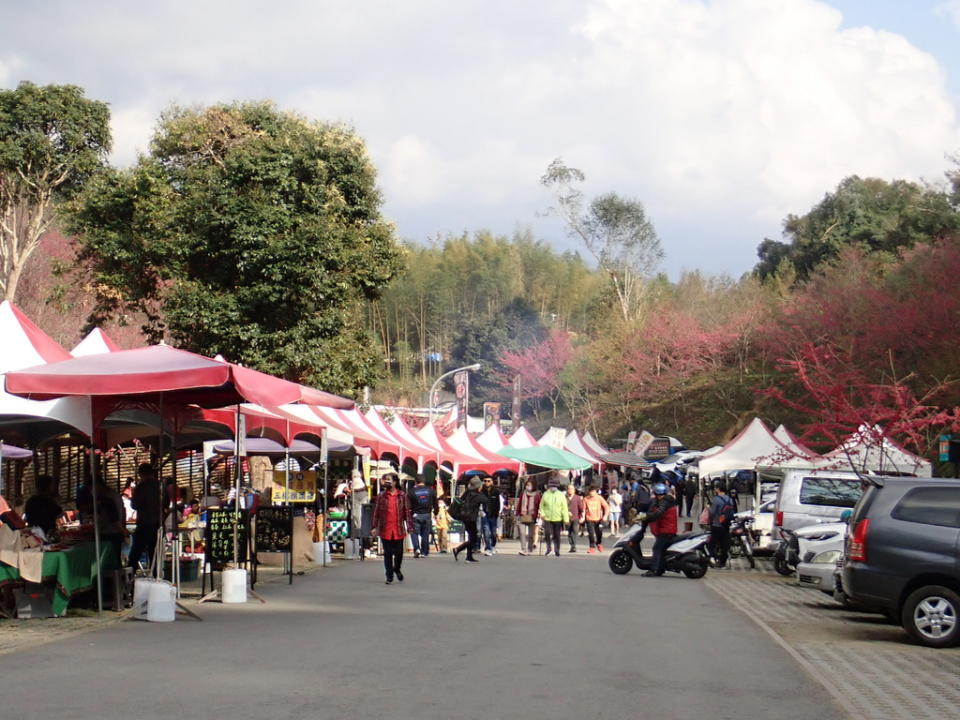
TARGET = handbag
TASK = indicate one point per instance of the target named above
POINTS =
(704, 516)
(526, 519)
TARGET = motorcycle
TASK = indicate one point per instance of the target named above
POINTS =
(687, 554)
(787, 555)
(741, 538)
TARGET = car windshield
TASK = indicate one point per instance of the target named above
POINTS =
(835, 492)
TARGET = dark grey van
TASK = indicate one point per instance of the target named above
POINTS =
(901, 556)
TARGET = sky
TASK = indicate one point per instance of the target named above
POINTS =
(720, 116)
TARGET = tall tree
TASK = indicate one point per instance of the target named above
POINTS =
(615, 230)
(873, 214)
(250, 232)
(52, 139)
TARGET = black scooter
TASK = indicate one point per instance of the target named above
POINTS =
(787, 555)
(687, 554)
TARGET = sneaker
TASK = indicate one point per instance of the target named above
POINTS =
(558, 553)
(493, 552)
(399, 576)
(471, 559)
(521, 553)
(487, 553)
(572, 550)
(416, 553)
(388, 581)
(650, 573)
(591, 551)
(455, 554)
(599, 548)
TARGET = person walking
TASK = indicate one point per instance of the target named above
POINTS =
(575, 506)
(423, 503)
(442, 525)
(722, 510)
(555, 514)
(615, 501)
(392, 521)
(473, 500)
(689, 494)
(595, 511)
(528, 510)
(661, 518)
(491, 517)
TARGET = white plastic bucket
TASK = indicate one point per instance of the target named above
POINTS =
(234, 588)
(141, 594)
(321, 553)
(162, 602)
(351, 549)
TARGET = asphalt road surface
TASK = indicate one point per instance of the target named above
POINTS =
(510, 637)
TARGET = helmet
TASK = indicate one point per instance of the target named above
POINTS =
(660, 489)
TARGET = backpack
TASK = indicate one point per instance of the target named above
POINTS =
(725, 517)
(455, 510)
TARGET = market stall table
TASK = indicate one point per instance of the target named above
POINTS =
(73, 570)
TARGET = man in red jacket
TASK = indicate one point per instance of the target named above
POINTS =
(662, 520)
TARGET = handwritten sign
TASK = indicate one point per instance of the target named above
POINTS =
(219, 536)
(274, 529)
(303, 487)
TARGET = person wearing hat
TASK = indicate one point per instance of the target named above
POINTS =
(661, 518)
(472, 501)
(555, 514)
(392, 522)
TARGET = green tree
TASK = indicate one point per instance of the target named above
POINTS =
(52, 139)
(615, 230)
(875, 215)
(246, 231)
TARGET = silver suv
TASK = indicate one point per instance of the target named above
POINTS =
(901, 556)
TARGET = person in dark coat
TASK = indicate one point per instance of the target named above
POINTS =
(689, 494)
(662, 520)
(472, 501)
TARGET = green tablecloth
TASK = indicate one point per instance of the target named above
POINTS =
(73, 570)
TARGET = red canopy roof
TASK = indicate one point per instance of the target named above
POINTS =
(142, 374)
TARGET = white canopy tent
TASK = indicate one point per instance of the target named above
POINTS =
(25, 345)
(868, 450)
(574, 443)
(522, 438)
(95, 343)
(755, 445)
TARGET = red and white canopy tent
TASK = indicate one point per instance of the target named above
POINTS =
(464, 442)
(413, 447)
(574, 443)
(593, 446)
(96, 342)
(26, 345)
(161, 379)
(522, 438)
(492, 439)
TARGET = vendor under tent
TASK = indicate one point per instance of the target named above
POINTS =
(547, 457)
(161, 378)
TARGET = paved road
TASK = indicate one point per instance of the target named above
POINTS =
(510, 637)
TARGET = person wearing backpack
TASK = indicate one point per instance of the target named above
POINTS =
(722, 510)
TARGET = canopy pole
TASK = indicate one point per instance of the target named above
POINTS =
(236, 497)
(96, 525)
(288, 557)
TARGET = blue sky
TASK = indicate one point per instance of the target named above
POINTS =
(722, 116)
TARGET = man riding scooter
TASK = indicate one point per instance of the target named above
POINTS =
(661, 519)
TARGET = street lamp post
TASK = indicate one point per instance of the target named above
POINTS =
(436, 383)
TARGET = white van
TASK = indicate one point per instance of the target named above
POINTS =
(810, 497)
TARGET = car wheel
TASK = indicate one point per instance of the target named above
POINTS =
(930, 615)
(620, 562)
(781, 566)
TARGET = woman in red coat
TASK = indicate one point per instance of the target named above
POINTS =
(392, 520)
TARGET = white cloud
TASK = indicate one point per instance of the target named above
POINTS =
(949, 10)
(721, 115)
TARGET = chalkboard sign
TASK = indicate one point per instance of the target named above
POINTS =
(274, 529)
(219, 536)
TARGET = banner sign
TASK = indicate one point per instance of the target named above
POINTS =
(491, 414)
(555, 437)
(461, 386)
(658, 449)
(631, 441)
(515, 409)
(303, 487)
(643, 442)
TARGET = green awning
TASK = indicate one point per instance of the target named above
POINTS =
(546, 456)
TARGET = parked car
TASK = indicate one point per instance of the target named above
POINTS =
(820, 547)
(809, 497)
(901, 556)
